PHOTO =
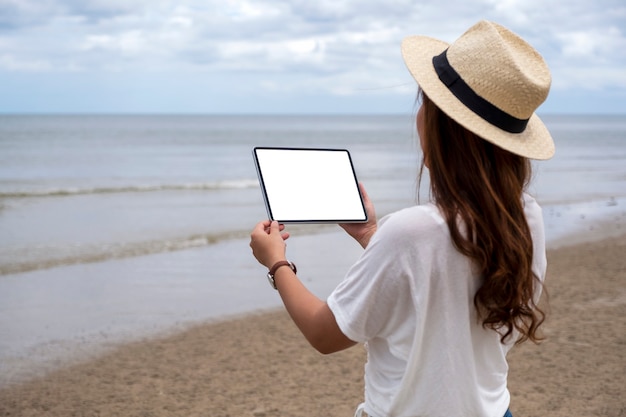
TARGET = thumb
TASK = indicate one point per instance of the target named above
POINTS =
(274, 227)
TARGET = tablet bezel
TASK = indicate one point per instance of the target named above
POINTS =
(304, 221)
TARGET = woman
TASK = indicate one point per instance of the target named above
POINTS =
(444, 290)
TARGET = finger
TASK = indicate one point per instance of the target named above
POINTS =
(362, 189)
(261, 228)
(366, 197)
(262, 225)
(274, 227)
(258, 228)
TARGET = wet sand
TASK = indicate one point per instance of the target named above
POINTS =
(259, 365)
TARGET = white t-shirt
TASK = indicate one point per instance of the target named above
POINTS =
(411, 298)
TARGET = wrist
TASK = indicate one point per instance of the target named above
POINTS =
(364, 239)
(275, 267)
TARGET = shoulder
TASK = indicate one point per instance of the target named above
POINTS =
(530, 204)
(533, 213)
(411, 225)
(416, 219)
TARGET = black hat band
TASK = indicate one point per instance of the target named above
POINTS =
(473, 101)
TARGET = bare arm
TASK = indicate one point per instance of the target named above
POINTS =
(312, 315)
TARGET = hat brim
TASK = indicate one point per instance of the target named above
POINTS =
(534, 142)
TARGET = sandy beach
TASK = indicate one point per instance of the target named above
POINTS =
(259, 365)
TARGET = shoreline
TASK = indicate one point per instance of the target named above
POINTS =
(46, 314)
(257, 364)
(45, 327)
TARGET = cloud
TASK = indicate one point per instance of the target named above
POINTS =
(598, 44)
(325, 46)
(16, 64)
(15, 14)
(591, 56)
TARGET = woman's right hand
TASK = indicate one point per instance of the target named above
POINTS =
(267, 241)
(362, 232)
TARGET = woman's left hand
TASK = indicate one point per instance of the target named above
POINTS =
(267, 241)
(362, 232)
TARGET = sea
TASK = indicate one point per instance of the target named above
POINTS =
(115, 228)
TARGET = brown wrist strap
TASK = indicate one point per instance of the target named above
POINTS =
(278, 264)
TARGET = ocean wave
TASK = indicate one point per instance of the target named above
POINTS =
(50, 257)
(25, 259)
(71, 191)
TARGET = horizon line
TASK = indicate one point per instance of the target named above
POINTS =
(271, 114)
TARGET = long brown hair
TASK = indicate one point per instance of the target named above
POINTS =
(481, 185)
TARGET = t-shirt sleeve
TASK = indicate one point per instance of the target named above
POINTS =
(372, 299)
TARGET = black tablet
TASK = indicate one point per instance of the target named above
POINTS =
(309, 185)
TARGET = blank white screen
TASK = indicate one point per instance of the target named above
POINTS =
(309, 185)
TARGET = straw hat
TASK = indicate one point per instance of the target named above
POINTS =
(490, 81)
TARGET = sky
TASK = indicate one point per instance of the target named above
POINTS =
(283, 57)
